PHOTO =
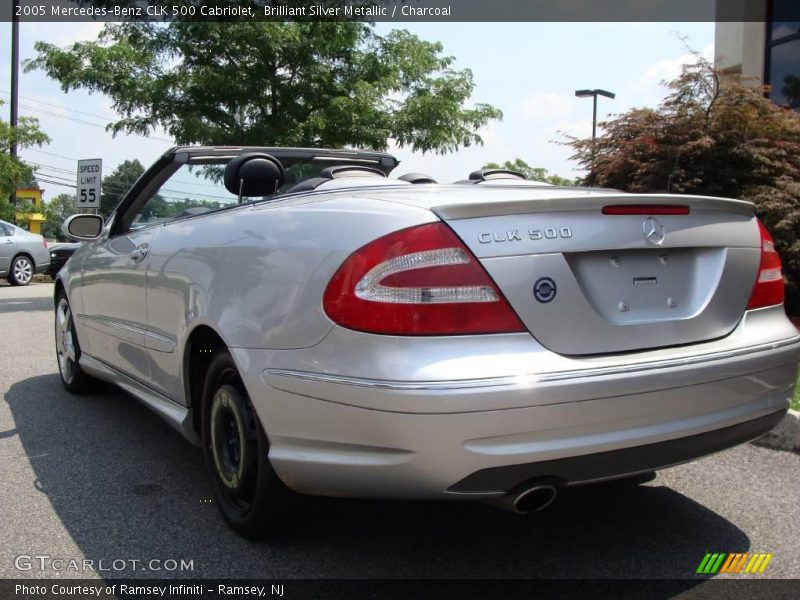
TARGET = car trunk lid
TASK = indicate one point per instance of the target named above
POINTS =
(648, 275)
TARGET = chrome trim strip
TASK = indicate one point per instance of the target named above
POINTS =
(531, 377)
(158, 342)
(393, 385)
(666, 363)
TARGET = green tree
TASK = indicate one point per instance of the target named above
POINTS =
(117, 184)
(285, 84)
(13, 172)
(55, 211)
(718, 140)
(791, 89)
(533, 173)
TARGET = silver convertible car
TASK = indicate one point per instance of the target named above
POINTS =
(320, 328)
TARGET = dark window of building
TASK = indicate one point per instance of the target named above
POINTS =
(783, 29)
(783, 54)
(784, 73)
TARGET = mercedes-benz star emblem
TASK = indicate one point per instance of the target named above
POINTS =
(654, 231)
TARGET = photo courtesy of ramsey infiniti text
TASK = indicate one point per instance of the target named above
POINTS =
(320, 327)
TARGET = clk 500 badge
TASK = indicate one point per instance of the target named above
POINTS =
(515, 235)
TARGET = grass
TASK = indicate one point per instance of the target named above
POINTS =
(796, 397)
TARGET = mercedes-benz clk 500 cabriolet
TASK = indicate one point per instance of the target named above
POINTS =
(321, 328)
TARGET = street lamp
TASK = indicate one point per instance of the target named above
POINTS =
(594, 94)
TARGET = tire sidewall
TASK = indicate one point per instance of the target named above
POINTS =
(268, 504)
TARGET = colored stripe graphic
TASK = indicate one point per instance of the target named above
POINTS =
(721, 562)
(711, 563)
(735, 562)
(758, 563)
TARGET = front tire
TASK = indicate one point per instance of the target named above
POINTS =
(251, 497)
(21, 272)
(68, 350)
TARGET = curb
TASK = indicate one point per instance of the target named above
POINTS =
(785, 435)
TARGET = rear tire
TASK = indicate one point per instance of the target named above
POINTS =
(68, 349)
(251, 497)
(22, 271)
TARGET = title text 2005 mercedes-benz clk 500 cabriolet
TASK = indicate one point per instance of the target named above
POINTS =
(321, 328)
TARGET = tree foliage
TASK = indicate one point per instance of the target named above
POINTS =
(118, 183)
(13, 172)
(533, 173)
(285, 84)
(56, 211)
(718, 140)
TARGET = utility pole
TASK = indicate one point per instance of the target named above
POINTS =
(14, 117)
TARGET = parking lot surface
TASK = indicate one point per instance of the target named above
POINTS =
(102, 478)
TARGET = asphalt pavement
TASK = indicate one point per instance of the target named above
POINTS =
(101, 478)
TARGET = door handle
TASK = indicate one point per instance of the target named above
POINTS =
(140, 252)
(9, 241)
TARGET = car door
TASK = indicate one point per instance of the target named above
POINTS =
(114, 292)
(6, 247)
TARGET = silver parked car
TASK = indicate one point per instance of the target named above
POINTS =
(22, 254)
(321, 328)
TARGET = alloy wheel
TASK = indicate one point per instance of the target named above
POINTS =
(65, 343)
(23, 270)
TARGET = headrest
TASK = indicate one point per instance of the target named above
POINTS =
(254, 174)
(417, 178)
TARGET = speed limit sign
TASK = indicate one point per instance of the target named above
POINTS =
(90, 173)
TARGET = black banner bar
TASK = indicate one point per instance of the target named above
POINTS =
(354, 589)
(401, 11)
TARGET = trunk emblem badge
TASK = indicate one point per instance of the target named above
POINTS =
(654, 231)
(544, 290)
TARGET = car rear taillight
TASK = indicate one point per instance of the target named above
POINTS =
(417, 281)
(768, 289)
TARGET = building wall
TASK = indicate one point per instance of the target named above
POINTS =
(33, 220)
(739, 49)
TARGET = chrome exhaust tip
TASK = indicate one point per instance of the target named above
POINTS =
(534, 499)
(527, 498)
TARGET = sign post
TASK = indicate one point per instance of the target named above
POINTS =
(90, 174)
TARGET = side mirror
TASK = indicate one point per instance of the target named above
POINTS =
(254, 174)
(83, 228)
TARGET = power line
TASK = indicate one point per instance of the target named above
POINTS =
(107, 186)
(75, 110)
(90, 124)
(53, 154)
(118, 188)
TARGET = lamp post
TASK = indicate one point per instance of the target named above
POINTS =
(594, 94)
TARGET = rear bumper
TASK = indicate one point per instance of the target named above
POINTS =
(479, 437)
(608, 465)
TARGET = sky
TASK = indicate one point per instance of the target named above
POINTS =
(528, 70)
